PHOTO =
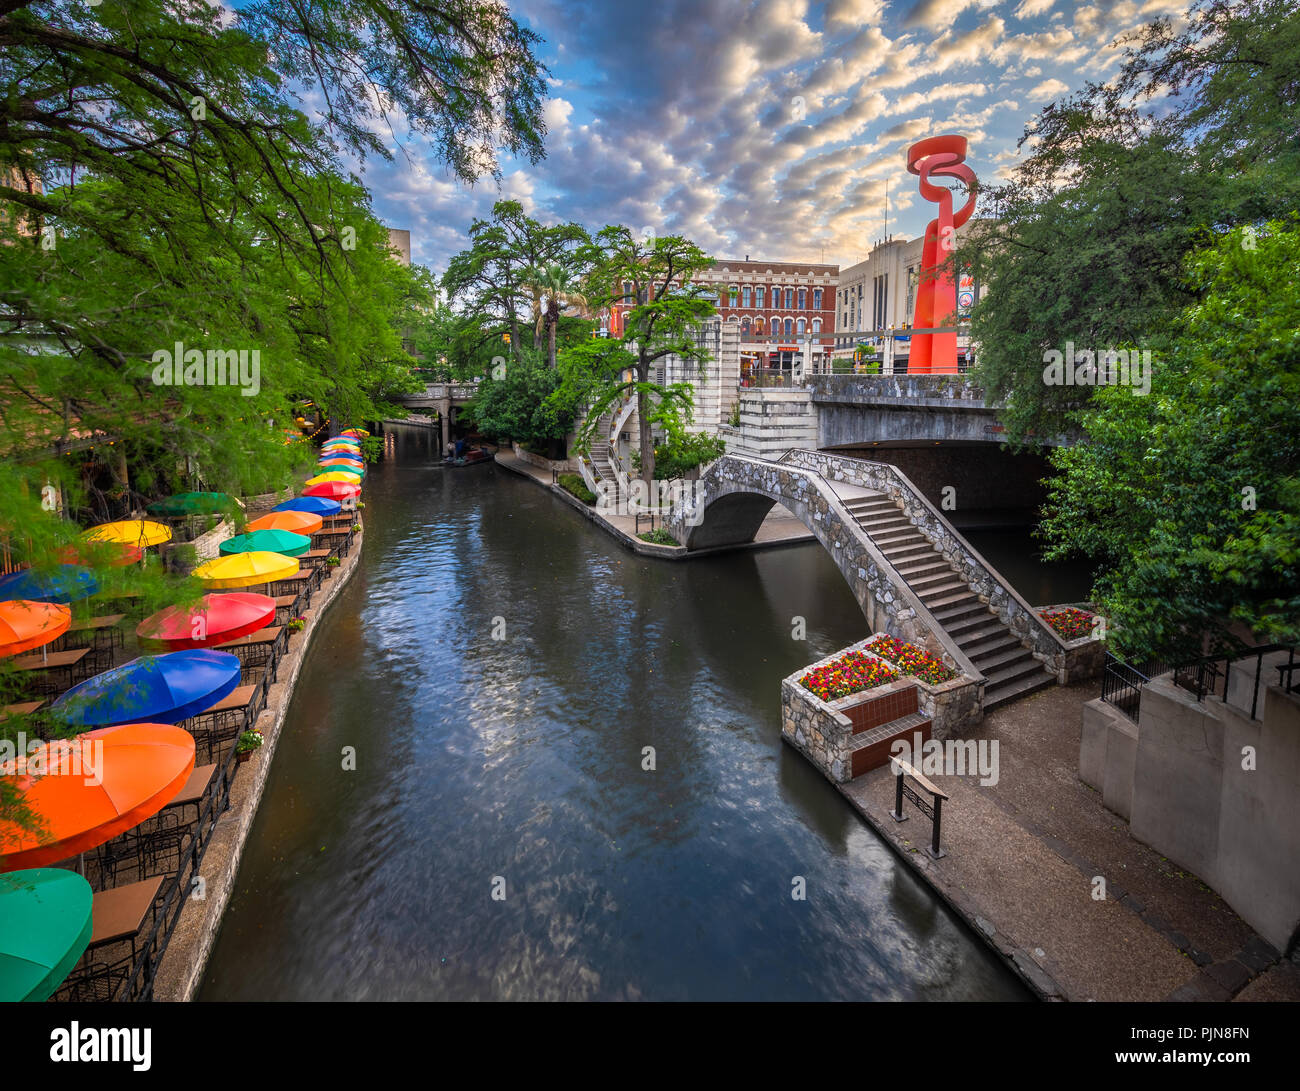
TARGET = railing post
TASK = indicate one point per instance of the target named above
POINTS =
(897, 814)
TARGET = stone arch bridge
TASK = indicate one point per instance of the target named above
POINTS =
(911, 572)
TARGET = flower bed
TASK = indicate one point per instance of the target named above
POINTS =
(911, 660)
(850, 673)
(1070, 624)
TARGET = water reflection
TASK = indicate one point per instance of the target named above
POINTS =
(521, 759)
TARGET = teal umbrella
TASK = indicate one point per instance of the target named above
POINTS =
(191, 503)
(45, 924)
(269, 541)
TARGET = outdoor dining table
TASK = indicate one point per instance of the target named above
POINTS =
(54, 671)
(23, 708)
(230, 716)
(255, 649)
(104, 631)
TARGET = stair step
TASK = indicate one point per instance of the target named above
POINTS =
(980, 625)
(967, 596)
(1020, 669)
(997, 641)
(898, 537)
(925, 584)
(879, 526)
(999, 660)
(1001, 695)
(920, 548)
(920, 566)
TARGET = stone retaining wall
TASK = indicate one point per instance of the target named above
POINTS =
(561, 465)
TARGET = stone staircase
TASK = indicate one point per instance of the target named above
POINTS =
(1005, 661)
(602, 460)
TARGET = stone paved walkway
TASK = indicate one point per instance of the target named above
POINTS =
(1022, 857)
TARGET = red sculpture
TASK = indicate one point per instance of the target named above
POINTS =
(936, 298)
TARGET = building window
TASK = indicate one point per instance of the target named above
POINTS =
(744, 327)
(758, 323)
(803, 299)
(758, 294)
(801, 326)
(817, 299)
(789, 297)
(911, 293)
(789, 325)
(746, 294)
(817, 325)
(734, 294)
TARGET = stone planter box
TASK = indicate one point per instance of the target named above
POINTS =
(823, 731)
(1085, 656)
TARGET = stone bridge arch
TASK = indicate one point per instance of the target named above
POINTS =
(735, 494)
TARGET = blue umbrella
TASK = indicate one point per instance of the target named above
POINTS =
(162, 689)
(317, 505)
(63, 583)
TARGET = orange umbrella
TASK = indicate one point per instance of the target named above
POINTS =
(26, 625)
(139, 769)
(299, 522)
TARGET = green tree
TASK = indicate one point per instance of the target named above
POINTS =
(552, 287)
(1087, 242)
(515, 403)
(667, 309)
(1191, 495)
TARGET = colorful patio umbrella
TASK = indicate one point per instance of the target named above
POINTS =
(313, 505)
(62, 583)
(335, 490)
(139, 769)
(341, 451)
(299, 522)
(341, 445)
(45, 924)
(216, 619)
(343, 468)
(246, 569)
(26, 625)
(322, 479)
(329, 457)
(190, 503)
(284, 542)
(163, 689)
(131, 532)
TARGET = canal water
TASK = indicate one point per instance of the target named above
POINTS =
(498, 666)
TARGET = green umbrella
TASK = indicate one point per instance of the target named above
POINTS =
(45, 924)
(191, 503)
(269, 541)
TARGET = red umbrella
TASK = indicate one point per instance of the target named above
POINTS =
(217, 619)
(333, 490)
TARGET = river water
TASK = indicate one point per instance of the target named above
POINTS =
(515, 766)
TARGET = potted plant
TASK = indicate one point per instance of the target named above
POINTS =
(333, 562)
(297, 624)
(246, 744)
(356, 527)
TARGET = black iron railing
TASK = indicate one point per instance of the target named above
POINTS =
(1208, 676)
(1121, 683)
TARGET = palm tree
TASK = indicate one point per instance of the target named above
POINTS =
(557, 286)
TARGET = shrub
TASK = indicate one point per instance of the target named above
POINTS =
(850, 673)
(572, 483)
(1069, 623)
(659, 536)
(911, 660)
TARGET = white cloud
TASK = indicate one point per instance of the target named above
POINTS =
(1047, 89)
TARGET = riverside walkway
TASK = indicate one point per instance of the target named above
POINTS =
(1022, 859)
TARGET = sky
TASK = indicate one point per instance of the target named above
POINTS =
(765, 127)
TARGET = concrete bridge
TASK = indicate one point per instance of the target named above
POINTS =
(859, 410)
(442, 397)
(912, 573)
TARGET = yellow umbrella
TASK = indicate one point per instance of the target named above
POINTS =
(130, 532)
(333, 475)
(246, 569)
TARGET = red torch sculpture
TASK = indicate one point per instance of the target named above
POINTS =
(936, 298)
